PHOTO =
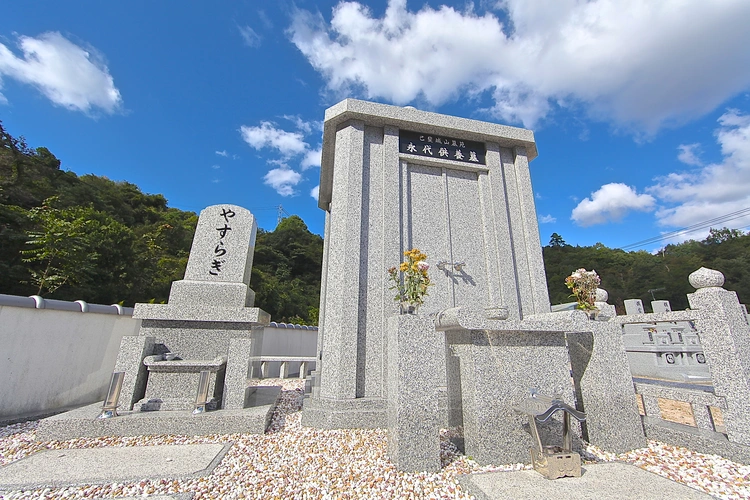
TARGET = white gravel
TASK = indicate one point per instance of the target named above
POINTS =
(291, 461)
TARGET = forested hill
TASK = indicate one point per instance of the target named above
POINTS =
(630, 275)
(69, 237)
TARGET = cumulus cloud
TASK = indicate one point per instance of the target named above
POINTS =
(715, 189)
(67, 74)
(532, 56)
(249, 36)
(311, 159)
(609, 203)
(282, 180)
(689, 154)
(315, 191)
(223, 153)
(268, 136)
(289, 145)
(547, 219)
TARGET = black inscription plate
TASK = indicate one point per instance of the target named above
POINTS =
(441, 147)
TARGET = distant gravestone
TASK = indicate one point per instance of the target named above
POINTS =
(634, 306)
(661, 306)
(221, 260)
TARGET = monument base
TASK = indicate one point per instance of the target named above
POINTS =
(359, 413)
(82, 422)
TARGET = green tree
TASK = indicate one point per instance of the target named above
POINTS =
(59, 246)
(556, 240)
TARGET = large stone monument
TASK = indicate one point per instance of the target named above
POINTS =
(208, 325)
(396, 178)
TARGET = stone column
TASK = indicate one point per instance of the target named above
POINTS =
(415, 356)
(725, 337)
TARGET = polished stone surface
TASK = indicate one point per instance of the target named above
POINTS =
(379, 202)
(415, 363)
(599, 482)
(57, 468)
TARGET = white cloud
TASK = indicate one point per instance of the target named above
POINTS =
(311, 159)
(689, 154)
(546, 219)
(68, 75)
(604, 54)
(249, 36)
(215, 167)
(314, 192)
(223, 153)
(282, 180)
(611, 202)
(268, 136)
(715, 189)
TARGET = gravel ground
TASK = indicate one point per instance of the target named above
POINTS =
(291, 461)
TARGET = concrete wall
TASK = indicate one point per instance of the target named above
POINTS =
(282, 339)
(51, 359)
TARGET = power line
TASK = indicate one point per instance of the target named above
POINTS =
(281, 213)
(739, 214)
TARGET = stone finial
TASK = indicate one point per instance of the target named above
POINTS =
(706, 278)
(601, 295)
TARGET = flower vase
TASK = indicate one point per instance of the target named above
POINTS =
(409, 308)
(592, 314)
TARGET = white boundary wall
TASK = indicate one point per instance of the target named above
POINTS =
(57, 356)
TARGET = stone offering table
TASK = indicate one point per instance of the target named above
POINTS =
(182, 374)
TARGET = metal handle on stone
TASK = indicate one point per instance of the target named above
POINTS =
(458, 266)
(109, 409)
(441, 264)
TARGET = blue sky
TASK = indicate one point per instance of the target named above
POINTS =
(640, 109)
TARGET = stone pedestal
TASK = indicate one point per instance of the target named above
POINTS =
(415, 358)
(604, 386)
(725, 337)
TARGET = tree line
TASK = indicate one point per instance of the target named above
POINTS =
(87, 237)
(71, 237)
(662, 275)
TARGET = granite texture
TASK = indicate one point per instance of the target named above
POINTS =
(223, 245)
(202, 312)
(497, 371)
(599, 481)
(693, 439)
(725, 337)
(237, 373)
(511, 357)
(130, 360)
(359, 413)
(634, 306)
(380, 202)
(604, 388)
(82, 422)
(53, 469)
(415, 361)
(409, 119)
